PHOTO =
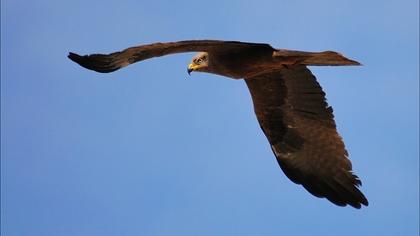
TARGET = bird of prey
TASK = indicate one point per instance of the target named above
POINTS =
(288, 101)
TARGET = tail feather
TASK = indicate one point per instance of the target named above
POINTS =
(327, 58)
(330, 58)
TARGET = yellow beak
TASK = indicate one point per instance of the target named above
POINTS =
(191, 67)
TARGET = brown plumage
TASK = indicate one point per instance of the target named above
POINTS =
(288, 101)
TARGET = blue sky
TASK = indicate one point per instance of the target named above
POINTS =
(145, 151)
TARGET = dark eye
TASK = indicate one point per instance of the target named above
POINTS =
(199, 60)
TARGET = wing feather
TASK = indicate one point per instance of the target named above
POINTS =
(105, 63)
(294, 115)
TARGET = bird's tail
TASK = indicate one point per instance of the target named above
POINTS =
(327, 58)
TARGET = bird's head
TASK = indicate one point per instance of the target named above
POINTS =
(200, 62)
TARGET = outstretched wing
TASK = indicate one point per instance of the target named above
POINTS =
(111, 62)
(294, 115)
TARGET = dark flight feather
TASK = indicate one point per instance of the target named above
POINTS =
(299, 125)
(105, 63)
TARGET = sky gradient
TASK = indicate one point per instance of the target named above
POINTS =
(148, 150)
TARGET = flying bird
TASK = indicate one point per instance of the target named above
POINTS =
(288, 101)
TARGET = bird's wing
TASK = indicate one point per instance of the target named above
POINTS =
(294, 115)
(111, 62)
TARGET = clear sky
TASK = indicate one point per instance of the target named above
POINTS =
(146, 151)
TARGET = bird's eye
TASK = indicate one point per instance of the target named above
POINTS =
(199, 60)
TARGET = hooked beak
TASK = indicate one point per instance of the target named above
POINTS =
(191, 68)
